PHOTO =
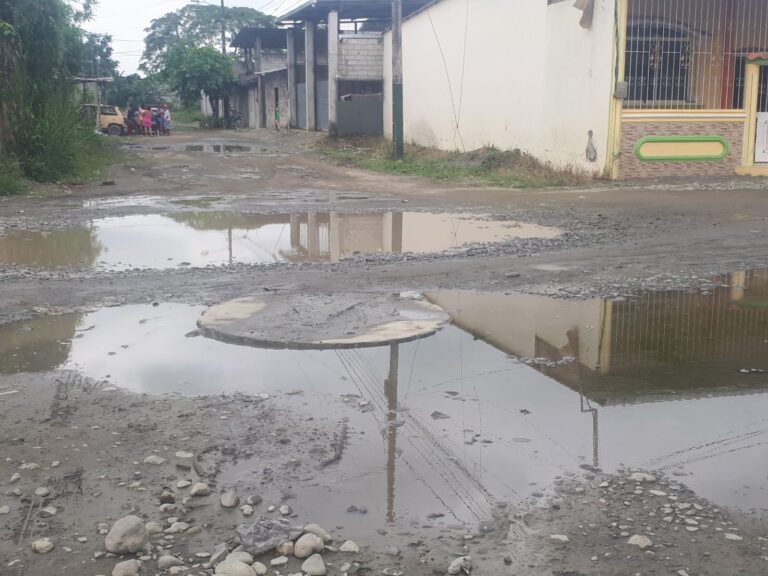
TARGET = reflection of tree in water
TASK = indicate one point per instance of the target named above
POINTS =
(228, 220)
(70, 247)
(37, 345)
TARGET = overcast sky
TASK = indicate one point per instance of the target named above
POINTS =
(125, 20)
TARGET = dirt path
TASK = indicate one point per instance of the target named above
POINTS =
(306, 441)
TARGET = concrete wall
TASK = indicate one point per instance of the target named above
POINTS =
(361, 114)
(277, 80)
(361, 56)
(527, 76)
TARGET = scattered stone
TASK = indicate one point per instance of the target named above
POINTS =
(183, 484)
(82, 539)
(177, 527)
(220, 553)
(55, 464)
(259, 568)
(234, 568)
(200, 489)
(228, 499)
(254, 500)
(559, 538)
(286, 510)
(734, 537)
(154, 459)
(42, 492)
(246, 509)
(126, 535)
(4, 509)
(184, 460)
(350, 547)
(641, 542)
(127, 568)
(241, 557)
(314, 565)
(153, 528)
(167, 497)
(307, 545)
(265, 534)
(657, 493)
(279, 561)
(463, 564)
(318, 530)
(167, 507)
(177, 570)
(285, 549)
(642, 477)
(165, 562)
(42, 546)
(29, 466)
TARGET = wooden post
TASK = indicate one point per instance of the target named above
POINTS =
(397, 79)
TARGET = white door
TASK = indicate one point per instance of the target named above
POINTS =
(761, 146)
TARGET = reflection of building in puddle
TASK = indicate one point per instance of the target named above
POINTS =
(37, 345)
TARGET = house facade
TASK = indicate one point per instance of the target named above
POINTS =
(622, 88)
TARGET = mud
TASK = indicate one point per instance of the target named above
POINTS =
(521, 420)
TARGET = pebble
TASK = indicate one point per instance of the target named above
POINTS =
(14, 478)
(4, 509)
(165, 562)
(259, 568)
(154, 459)
(153, 528)
(314, 565)
(559, 538)
(55, 464)
(42, 491)
(234, 568)
(286, 510)
(127, 568)
(459, 565)
(241, 556)
(228, 499)
(183, 484)
(307, 545)
(641, 542)
(126, 535)
(254, 500)
(177, 527)
(285, 549)
(200, 489)
(641, 477)
(657, 493)
(279, 561)
(350, 547)
(734, 537)
(42, 546)
(318, 530)
(246, 509)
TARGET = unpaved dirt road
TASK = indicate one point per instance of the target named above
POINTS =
(101, 367)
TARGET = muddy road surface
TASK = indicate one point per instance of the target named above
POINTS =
(559, 382)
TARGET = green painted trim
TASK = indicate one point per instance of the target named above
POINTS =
(645, 140)
(759, 61)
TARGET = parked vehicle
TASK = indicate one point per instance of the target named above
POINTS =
(112, 120)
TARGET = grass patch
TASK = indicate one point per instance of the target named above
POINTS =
(11, 177)
(188, 117)
(485, 166)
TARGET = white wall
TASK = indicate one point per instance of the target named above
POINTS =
(528, 76)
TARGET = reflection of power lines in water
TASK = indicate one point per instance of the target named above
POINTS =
(437, 457)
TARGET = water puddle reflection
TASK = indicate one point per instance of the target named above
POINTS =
(219, 238)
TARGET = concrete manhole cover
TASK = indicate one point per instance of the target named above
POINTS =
(321, 321)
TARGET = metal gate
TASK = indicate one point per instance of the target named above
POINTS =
(761, 146)
(301, 106)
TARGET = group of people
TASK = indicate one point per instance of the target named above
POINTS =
(149, 121)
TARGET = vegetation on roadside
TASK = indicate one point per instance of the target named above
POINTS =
(42, 136)
(486, 166)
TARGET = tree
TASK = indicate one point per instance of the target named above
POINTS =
(191, 71)
(96, 56)
(195, 25)
(133, 89)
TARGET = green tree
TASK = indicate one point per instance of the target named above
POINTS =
(190, 71)
(96, 56)
(195, 25)
(133, 89)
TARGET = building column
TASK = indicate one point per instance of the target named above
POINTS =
(262, 112)
(309, 72)
(333, 71)
(293, 114)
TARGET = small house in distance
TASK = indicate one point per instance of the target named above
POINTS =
(622, 88)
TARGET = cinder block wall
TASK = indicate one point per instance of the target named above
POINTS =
(361, 56)
(632, 167)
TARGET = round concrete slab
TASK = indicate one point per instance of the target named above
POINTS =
(321, 321)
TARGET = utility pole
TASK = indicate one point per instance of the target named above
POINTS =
(397, 78)
(223, 30)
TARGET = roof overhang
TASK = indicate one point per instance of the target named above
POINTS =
(317, 10)
(271, 38)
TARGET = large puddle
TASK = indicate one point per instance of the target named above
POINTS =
(219, 238)
(519, 390)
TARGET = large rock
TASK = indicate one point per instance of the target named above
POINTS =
(241, 557)
(307, 545)
(350, 547)
(266, 534)
(127, 568)
(127, 535)
(318, 530)
(234, 568)
(42, 546)
(228, 499)
(314, 565)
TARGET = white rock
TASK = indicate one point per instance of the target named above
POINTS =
(349, 546)
(177, 527)
(641, 477)
(317, 530)
(42, 491)
(154, 459)
(153, 528)
(241, 556)
(29, 466)
(641, 542)
(285, 549)
(314, 565)
(42, 546)
(200, 489)
(168, 507)
(246, 509)
(14, 478)
(126, 535)
(183, 484)
(55, 464)
(559, 538)
(279, 561)
(461, 564)
(307, 545)
(165, 562)
(734, 537)
(657, 493)
(127, 568)
(177, 570)
(234, 568)
(228, 499)
(286, 510)
(4, 510)
(259, 568)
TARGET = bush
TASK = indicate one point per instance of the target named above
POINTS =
(11, 178)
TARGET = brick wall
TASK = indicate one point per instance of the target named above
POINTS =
(632, 167)
(361, 57)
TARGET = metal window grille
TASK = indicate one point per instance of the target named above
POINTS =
(691, 54)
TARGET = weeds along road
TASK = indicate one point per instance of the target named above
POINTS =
(595, 405)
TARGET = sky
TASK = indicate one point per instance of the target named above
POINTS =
(126, 20)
